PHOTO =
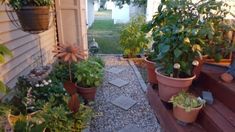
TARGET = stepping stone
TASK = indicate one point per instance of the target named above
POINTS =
(131, 128)
(124, 102)
(115, 70)
(118, 82)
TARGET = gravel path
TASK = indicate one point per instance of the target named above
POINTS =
(111, 118)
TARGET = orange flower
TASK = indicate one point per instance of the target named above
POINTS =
(68, 52)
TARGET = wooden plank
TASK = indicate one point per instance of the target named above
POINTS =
(216, 120)
(225, 112)
(221, 91)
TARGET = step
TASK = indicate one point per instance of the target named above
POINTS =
(165, 116)
(210, 80)
(217, 118)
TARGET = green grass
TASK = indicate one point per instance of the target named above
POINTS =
(107, 35)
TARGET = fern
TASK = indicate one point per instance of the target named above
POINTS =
(4, 51)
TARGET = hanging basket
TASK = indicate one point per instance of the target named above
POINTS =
(34, 18)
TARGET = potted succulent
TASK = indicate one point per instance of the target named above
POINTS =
(89, 75)
(132, 39)
(186, 106)
(33, 14)
(181, 29)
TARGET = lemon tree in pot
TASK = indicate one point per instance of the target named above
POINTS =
(186, 107)
(33, 14)
(89, 75)
(179, 29)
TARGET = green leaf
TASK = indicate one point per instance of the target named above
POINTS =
(164, 48)
(177, 52)
(3, 88)
(2, 60)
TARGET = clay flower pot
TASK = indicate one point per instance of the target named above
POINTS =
(87, 93)
(186, 116)
(169, 86)
(152, 77)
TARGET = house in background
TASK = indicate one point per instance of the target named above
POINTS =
(109, 5)
(91, 7)
(151, 8)
(124, 14)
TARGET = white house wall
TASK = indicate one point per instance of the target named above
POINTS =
(136, 10)
(121, 15)
(151, 8)
(90, 13)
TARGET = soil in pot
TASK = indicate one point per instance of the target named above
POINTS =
(152, 77)
(34, 18)
(87, 93)
(169, 86)
(187, 117)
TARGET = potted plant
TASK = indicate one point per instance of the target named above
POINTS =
(132, 39)
(89, 75)
(151, 65)
(186, 106)
(33, 14)
(179, 29)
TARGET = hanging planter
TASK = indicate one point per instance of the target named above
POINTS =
(33, 15)
(34, 18)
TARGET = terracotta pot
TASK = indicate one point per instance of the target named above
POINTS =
(152, 77)
(34, 18)
(184, 116)
(169, 86)
(87, 93)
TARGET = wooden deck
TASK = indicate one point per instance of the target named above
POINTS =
(218, 117)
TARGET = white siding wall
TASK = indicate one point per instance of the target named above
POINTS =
(25, 48)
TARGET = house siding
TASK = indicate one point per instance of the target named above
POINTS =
(25, 48)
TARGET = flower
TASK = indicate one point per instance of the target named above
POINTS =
(41, 85)
(46, 83)
(68, 52)
(49, 81)
(37, 85)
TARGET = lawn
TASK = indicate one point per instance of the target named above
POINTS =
(106, 35)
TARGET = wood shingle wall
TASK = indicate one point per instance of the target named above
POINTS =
(25, 48)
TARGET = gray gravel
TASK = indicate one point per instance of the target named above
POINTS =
(111, 118)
